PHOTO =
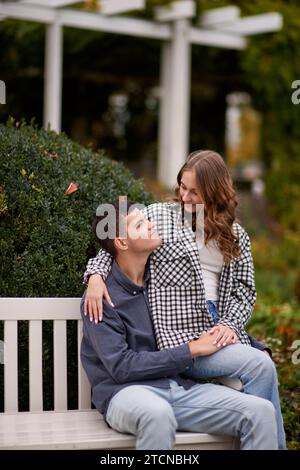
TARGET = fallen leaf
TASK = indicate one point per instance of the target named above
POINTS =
(72, 188)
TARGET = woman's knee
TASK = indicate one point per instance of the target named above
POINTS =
(265, 409)
(267, 365)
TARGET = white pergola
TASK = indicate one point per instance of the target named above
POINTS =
(219, 27)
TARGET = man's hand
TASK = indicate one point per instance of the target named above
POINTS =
(225, 335)
(95, 294)
(205, 345)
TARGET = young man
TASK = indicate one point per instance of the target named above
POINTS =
(138, 388)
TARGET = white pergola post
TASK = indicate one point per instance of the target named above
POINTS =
(164, 110)
(53, 76)
(175, 102)
(2, 92)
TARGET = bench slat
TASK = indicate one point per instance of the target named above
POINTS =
(85, 430)
(11, 366)
(84, 389)
(60, 364)
(46, 308)
(35, 366)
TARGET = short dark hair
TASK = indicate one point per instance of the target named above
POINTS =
(108, 242)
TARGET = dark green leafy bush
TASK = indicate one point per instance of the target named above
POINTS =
(45, 235)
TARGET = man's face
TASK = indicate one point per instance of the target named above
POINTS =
(141, 235)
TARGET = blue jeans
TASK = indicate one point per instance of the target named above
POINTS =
(154, 414)
(254, 369)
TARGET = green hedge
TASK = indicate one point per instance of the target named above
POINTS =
(45, 235)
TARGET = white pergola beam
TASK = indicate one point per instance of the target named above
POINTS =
(228, 37)
(50, 3)
(111, 7)
(53, 76)
(208, 37)
(20, 11)
(215, 16)
(85, 20)
(176, 11)
(117, 25)
(257, 24)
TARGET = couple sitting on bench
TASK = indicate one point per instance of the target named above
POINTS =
(150, 392)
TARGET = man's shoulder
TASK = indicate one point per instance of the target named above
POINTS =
(109, 311)
(110, 280)
(112, 317)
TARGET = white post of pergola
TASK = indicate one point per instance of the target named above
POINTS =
(175, 105)
(53, 76)
(2, 92)
(164, 110)
(175, 91)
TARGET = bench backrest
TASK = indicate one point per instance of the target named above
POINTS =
(35, 310)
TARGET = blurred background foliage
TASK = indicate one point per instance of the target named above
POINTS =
(100, 67)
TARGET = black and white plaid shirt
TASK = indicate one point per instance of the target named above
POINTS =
(176, 289)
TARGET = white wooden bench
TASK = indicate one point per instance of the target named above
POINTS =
(83, 428)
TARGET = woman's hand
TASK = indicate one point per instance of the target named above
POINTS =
(225, 335)
(96, 292)
(203, 346)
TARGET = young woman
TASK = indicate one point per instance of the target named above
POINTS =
(196, 287)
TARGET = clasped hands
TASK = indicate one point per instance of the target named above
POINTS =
(225, 335)
(211, 341)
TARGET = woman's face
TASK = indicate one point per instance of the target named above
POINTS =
(189, 193)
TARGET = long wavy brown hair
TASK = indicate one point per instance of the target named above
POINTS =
(215, 186)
